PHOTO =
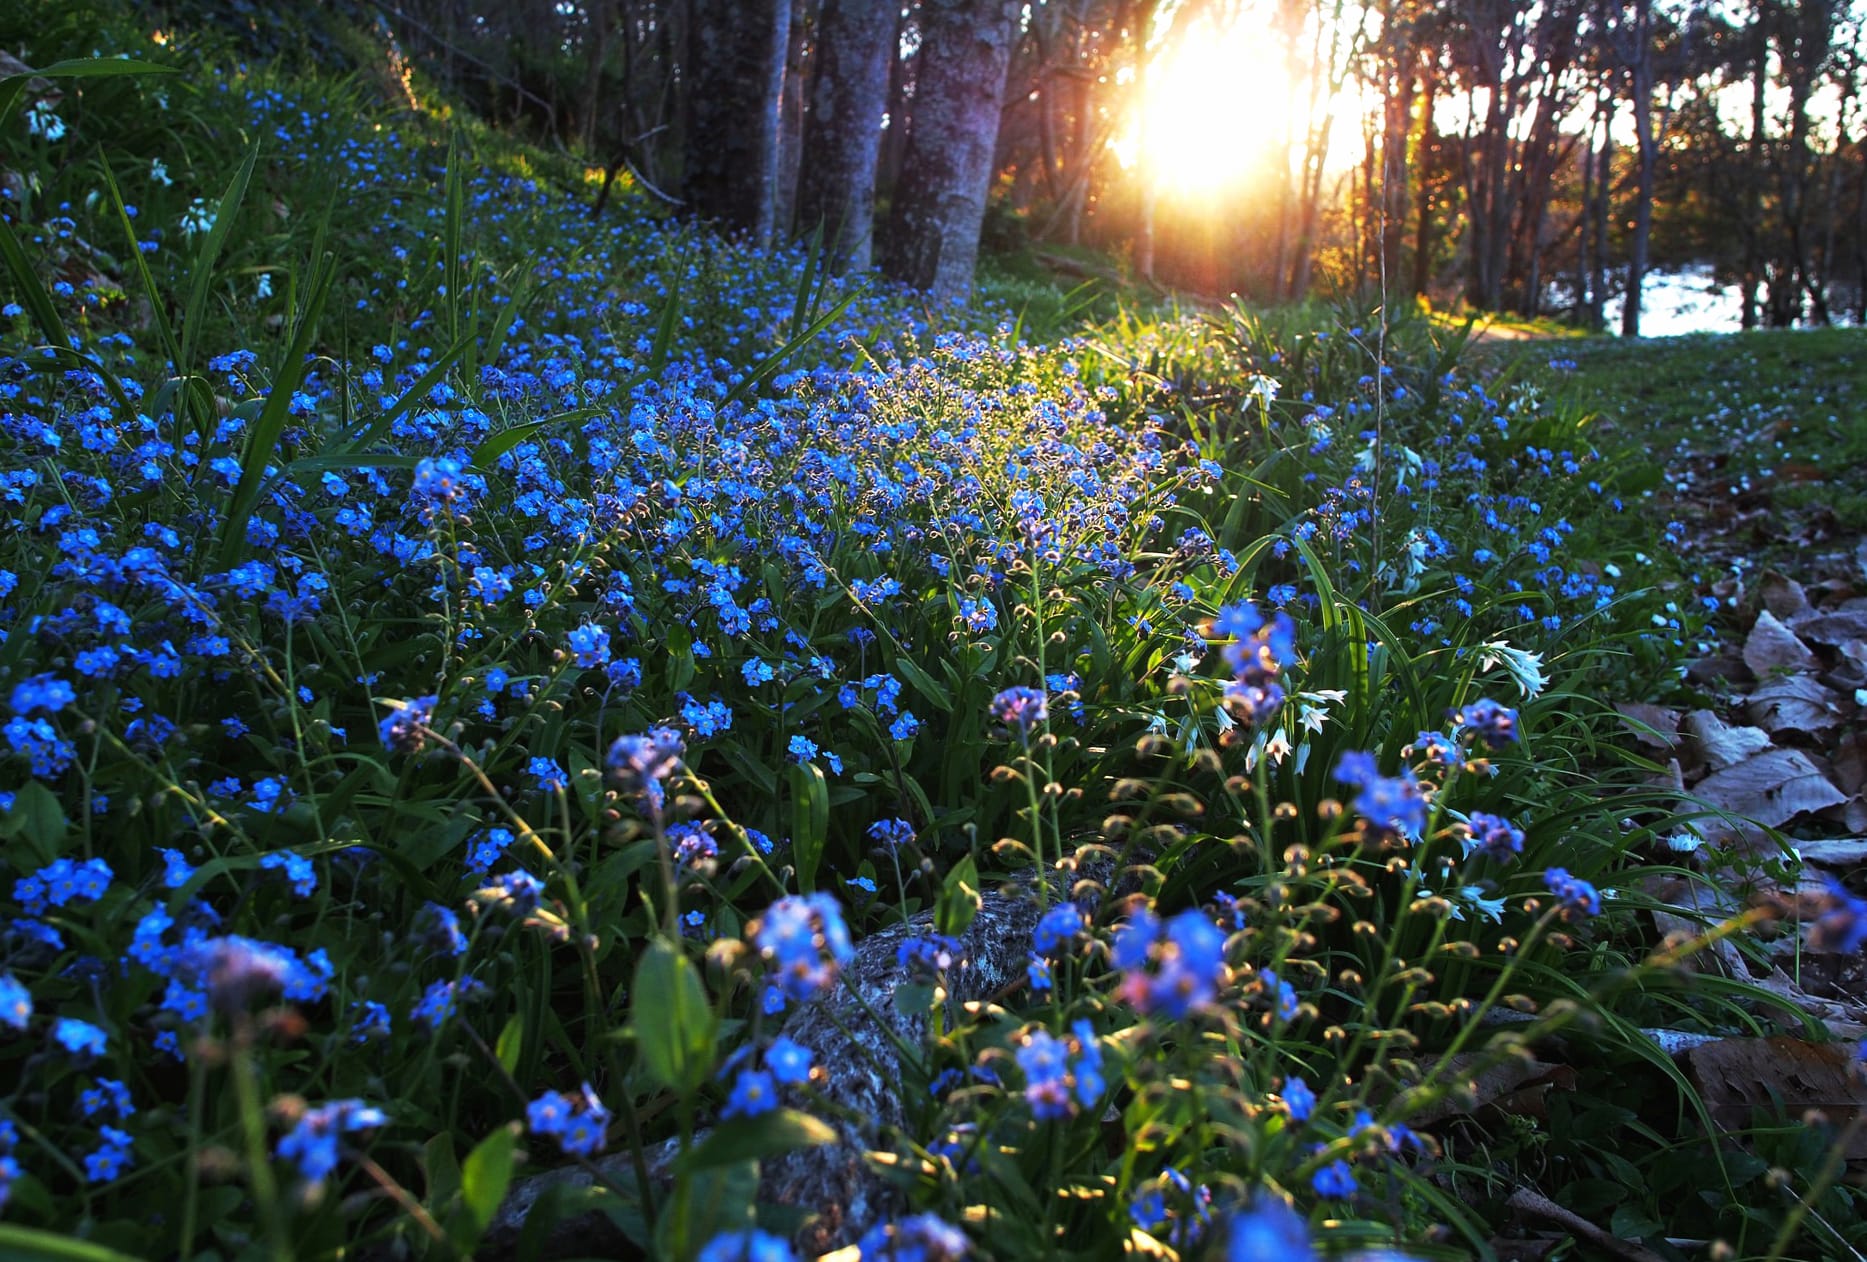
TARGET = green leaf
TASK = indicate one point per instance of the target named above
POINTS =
(77, 68)
(776, 360)
(511, 1043)
(750, 1138)
(409, 397)
(672, 1020)
(810, 821)
(38, 820)
(441, 1167)
(959, 899)
(263, 437)
(506, 439)
(936, 693)
(484, 1179)
(30, 1245)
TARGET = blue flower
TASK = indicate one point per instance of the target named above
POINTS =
(746, 1246)
(788, 1061)
(639, 764)
(1270, 1231)
(1577, 898)
(15, 1002)
(1299, 1100)
(311, 1144)
(922, 1238)
(1335, 1180)
(1057, 928)
(806, 941)
(405, 730)
(1494, 836)
(1494, 724)
(590, 644)
(80, 1038)
(1841, 925)
(1187, 964)
(754, 1093)
(1020, 709)
(297, 869)
(108, 1160)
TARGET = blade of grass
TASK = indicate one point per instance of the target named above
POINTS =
(158, 309)
(203, 269)
(265, 432)
(79, 68)
(772, 362)
(37, 298)
(410, 397)
(506, 439)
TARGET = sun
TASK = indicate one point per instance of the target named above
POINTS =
(1213, 112)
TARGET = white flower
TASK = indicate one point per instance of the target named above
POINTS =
(1261, 388)
(43, 120)
(198, 218)
(1525, 669)
(1685, 841)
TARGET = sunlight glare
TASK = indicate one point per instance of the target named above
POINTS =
(1215, 107)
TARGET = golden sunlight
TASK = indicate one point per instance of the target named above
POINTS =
(1214, 108)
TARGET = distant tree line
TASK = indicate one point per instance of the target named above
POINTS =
(1534, 156)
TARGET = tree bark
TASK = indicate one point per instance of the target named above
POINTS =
(843, 135)
(1640, 87)
(735, 63)
(946, 172)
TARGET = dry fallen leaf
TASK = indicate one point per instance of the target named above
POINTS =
(1723, 746)
(1772, 788)
(1836, 852)
(1794, 704)
(1835, 628)
(1784, 597)
(1751, 1082)
(1773, 646)
(1516, 1085)
(1651, 725)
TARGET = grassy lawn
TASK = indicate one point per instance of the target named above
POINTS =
(1766, 431)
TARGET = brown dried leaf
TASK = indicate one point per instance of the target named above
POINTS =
(1835, 628)
(1651, 725)
(1836, 852)
(1773, 646)
(1784, 597)
(1794, 703)
(1723, 746)
(1750, 1082)
(1771, 788)
(1515, 1085)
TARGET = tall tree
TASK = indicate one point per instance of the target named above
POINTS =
(843, 133)
(735, 82)
(1637, 52)
(946, 172)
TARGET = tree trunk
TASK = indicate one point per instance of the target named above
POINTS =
(843, 135)
(1640, 76)
(946, 172)
(735, 63)
(791, 120)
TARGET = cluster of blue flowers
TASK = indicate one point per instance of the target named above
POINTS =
(579, 1123)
